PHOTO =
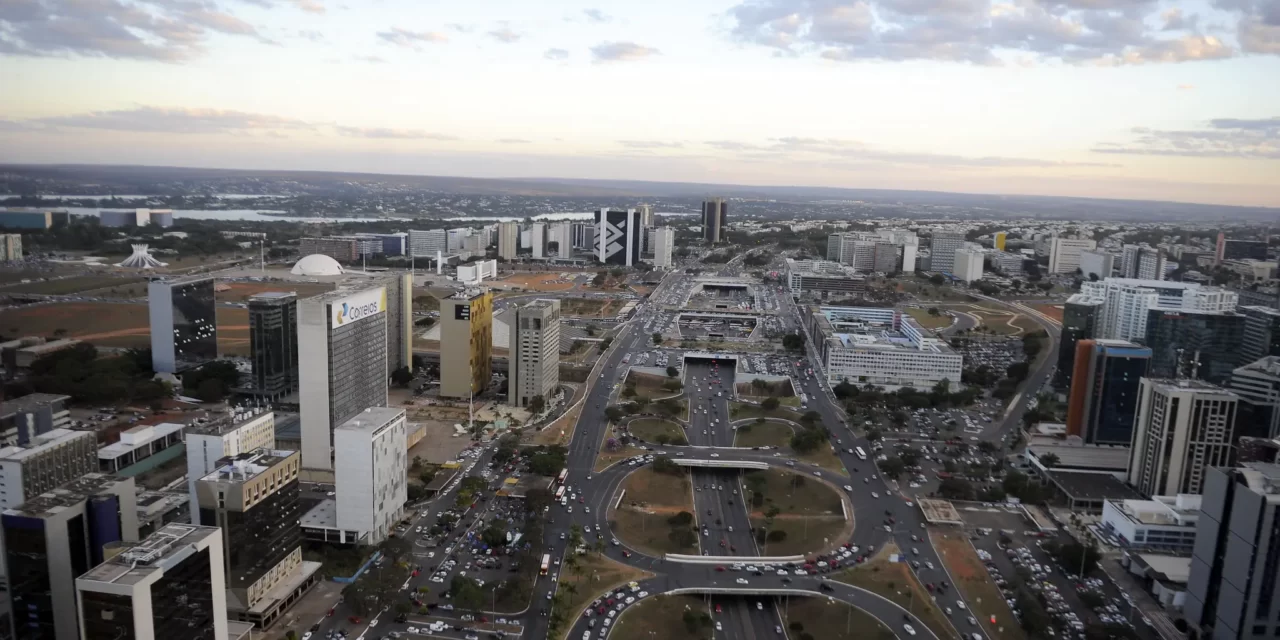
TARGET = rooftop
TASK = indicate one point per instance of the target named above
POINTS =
(1175, 569)
(138, 437)
(1269, 365)
(1262, 477)
(44, 442)
(371, 419)
(1182, 510)
(1172, 385)
(71, 493)
(1074, 453)
(467, 294)
(1094, 487)
(166, 547)
(225, 423)
(30, 402)
(247, 466)
(322, 516)
(272, 295)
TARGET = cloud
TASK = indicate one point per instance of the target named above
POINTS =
(997, 32)
(395, 134)
(514, 141)
(650, 144)
(310, 6)
(1223, 138)
(731, 145)
(505, 34)
(154, 30)
(621, 51)
(802, 148)
(411, 39)
(1186, 87)
(312, 35)
(556, 54)
(461, 28)
(370, 59)
(171, 120)
(596, 15)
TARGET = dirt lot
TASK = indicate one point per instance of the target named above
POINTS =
(1052, 310)
(661, 617)
(538, 281)
(975, 583)
(651, 498)
(833, 620)
(894, 581)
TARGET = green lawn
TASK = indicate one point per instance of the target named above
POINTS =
(895, 582)
(653, 429)
(929, 321)
(742, 411)
(831, 619)
(795, 493)
(772, 434)
(805, 534)
(662, 617)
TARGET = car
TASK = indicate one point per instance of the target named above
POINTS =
(848, 488)
(759, 606)
(354, 619)
(909, 629)
(875, 495)
(715, 455)
(306, 636)
(719, 627)
(373, 623)
(741, 581)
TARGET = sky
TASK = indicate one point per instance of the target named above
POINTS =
(1149, 99)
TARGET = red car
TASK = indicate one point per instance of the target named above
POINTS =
(626, 554)
(721, 569)
(330, 613)
(354, 619)
(717, 608)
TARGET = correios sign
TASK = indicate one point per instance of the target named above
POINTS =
(358, 306)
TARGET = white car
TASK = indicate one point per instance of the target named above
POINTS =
(873, 495)
(848, 488)
(715, 455)
(741, 581)
(909, 629)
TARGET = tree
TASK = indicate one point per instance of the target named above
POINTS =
(777, 535)
(1049, 460)
(937, 279)
(770, 403)
(663, 464)
(402, 377)
(682, 519)
(811, 418)
(672, 372)
(600, 279)
(466, 593)
(614, 413)
(933, 311)
(683, 537)
(657, 337)
(210, 390)
(605, 343)
(874, 434)
(792, 342)
(892, 467)
(955, 489)
(672, 385)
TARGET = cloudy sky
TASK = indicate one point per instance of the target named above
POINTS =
(1160, 99)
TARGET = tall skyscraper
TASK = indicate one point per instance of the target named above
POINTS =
(372, 471)
(534, 359)
(184, 323)
(562, 234)
(1081, 315)
(999, 240)
(618, 237)
(1258, 385)
(715, 213)
(1150, 264)
(1104, 390)
(466, 343)
(273, 343)
(1126, 302)
(663, 245)
(342, 358)
(426, 244)
(646, 215)
(1182, 429)
(968, 266)
(227, 435)
(253, 499)
(1064, 253)
(170, 585)
(1194, 344)
(1234, 581)
(539, 240)
(1261, 333)
(399, 296)
(942, 251)
(54, 537)
(508, 240)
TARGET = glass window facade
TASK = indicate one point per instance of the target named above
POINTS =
(107, 616)
(1180, 338)
(31, 595)
(182, 600)
(195, 335)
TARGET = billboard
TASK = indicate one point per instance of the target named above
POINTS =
(357, 306)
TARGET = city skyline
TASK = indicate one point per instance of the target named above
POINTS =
(1161, 100)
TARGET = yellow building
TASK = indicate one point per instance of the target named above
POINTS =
(466, 343)
(1000, 236)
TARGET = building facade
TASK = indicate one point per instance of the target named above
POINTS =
(715, 213)
(273, 343)
(866, 345)
(170, 585)
(184, 323)
(340, 249)
(227, 435)
(342, 364)
(1258, 385)
(371, 474)
(664, 243)
(1162, 524)
(1182, 429)
(25, 417)
(10, 247)
(1064, 253)
(534, 360)
(508, 240)
(1125, 303)
(618, 237)
(426, 244)
(1261, 333)
(1081, 316)
(1201, 345)
(1096, 264)
(942, 251)
(466, 343)
(44, 463)
(968, 266)
(1104, 390)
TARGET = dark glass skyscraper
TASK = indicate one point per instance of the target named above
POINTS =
(273, 343)
(1104, 390)
(1192, 344)
(1081, 316)
(184, 327)
(1261, 334)
(714, 214)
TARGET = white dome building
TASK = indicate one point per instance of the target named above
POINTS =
(317, 265)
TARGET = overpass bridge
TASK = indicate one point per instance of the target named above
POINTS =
(721, 464)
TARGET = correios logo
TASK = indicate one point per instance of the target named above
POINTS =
(350, 313)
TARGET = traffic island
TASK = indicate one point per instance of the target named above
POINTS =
(665, 618)
(655, 516)
(658, 431)
(763, 432)
(830, 619)
(794, 513)
(975, 584)
(895, 581)
(583, 578)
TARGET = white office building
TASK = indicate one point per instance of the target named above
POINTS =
(1163, 523)
(968, 266)
(371, 472)
(562, 235)
(44, 463)
(229, 435)
(477, 271)
(538, 240)
(1182, 428)
(1096, 264)
(942, 251)
(868, 345)
(1009, 264)
(534, 360)
(425, 244)
(1064, 253)
(508, 240)
(1126, 301)
(664, 241)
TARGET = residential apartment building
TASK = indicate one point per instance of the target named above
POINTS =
(1182, 429)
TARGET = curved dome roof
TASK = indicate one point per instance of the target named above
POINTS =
(317, 265)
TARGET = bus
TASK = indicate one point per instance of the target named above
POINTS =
(546, 564)
(560, 492)
(862, 455)
(564, 475)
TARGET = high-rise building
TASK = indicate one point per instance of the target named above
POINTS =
(1258, 385)
(1064, 253)
(1148, 264)
(1104, 390)
(508, 240)
(372, 470)
(184, 323)
(10, 247)
(253, 499)
(968, 266)
(1096, 264)
(170, 585)
(646, 215)
(1261, 333)
(1234, 582)
(539, 234)
(394, 244)
(562, 234)
(1194, 344)
(999, 240)
(1182, 429)
(45, 462)
(715, 214)
(273, 343)
(342, 364)
(426, 244)
(1126, 302)
(664, 242)
(342, 249)
(1081, 315)
(399, 298)
(227, 435)
(1240, 249)
(466, 343)
(1008, 264)
(534, 360)
(942, 251)
(54, 537)
(618, 237)
(456, 239)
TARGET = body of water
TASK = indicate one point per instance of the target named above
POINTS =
(134, 196)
